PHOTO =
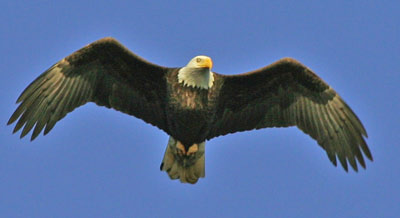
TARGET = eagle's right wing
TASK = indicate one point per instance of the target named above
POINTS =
(103, 72)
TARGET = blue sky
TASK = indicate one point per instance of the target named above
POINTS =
(98, 162)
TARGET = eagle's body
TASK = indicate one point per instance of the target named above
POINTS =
(192, 104)
(189, 110)
(189, 113)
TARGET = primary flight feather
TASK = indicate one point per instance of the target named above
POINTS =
(192, 104)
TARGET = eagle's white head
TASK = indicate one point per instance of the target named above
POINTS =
(197, 73)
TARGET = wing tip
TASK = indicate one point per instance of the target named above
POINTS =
(10, 121)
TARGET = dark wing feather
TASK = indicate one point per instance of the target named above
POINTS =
(104, 72)
(287, 93)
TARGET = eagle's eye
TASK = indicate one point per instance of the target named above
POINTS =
(198, 60)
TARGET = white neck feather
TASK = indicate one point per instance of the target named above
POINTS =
(196, 77)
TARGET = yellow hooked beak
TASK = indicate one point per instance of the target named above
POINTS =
(205, 62)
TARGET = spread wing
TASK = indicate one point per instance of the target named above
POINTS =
(104, 72)
(287, 93)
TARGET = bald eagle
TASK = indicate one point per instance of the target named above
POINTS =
(192, 104)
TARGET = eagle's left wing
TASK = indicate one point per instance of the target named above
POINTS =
(286, 93)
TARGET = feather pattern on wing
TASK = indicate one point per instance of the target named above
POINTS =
(103, 72)
(286, 93)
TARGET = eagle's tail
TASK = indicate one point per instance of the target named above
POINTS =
(187, 166)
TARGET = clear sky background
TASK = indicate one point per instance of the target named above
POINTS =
(98, 162)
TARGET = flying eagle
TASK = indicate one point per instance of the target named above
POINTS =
(192, 104)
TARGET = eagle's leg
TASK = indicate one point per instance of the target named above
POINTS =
(188, 166)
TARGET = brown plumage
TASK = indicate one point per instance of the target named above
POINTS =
(285, 93)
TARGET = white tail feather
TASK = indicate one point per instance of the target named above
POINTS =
(187, 167)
